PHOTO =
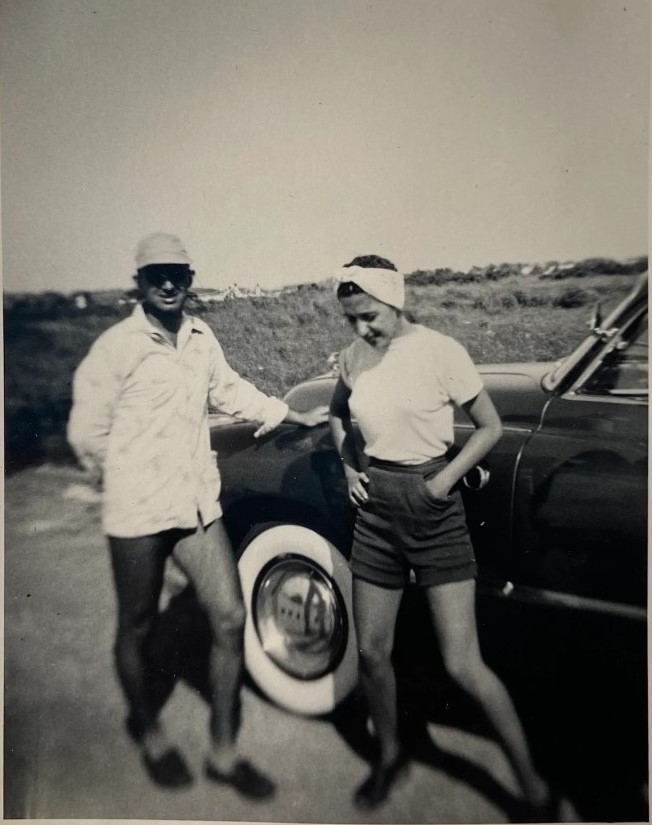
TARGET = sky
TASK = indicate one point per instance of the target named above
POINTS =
(280, 138)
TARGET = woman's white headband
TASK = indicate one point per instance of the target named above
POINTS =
(385, 285)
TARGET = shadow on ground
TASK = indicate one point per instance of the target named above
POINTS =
(579, 683)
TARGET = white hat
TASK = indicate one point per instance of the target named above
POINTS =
(160, 248)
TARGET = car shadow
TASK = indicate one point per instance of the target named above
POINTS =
(579, 688)
(579, 684)
(178, 651)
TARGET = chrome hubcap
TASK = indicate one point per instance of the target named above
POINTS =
(299, 617)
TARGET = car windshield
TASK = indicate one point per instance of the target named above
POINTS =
(623, 370)
(613, 320)
(555, 376)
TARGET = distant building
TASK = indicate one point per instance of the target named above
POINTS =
(212, 297)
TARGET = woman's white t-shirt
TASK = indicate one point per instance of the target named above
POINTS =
(403, 397)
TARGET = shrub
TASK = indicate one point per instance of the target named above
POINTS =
(594, 266)
(439, 277)
(492, 303)
(531, 299)
(574, 296)
(277, 341)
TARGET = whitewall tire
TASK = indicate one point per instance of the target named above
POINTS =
(300, 646)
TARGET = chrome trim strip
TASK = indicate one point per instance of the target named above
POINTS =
(507, 428)
(553, 598)
(572, 395)
(517, 467)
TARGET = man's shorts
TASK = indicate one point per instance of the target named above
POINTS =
(403, 526)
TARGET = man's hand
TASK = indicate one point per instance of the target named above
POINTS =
(357, 483)
(264, 429)
(311, 418)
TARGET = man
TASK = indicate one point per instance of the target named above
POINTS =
(139, 423)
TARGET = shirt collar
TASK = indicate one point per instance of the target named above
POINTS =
(141, 322)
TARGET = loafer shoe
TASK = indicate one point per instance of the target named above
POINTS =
(168, 770)
(377, 786)
(245, 778)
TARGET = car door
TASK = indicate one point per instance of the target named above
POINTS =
(580, 501)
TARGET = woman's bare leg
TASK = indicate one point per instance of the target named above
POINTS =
(375, 610)
(452, 607)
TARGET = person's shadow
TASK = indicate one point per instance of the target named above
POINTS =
(586, 723)
(426, 695)
(178, 651)
(178, 648)
(351, 721)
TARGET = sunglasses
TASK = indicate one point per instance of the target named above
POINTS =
(159, 276)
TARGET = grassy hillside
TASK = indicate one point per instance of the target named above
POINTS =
(277, 341)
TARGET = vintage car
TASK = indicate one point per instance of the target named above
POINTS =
(558, 511)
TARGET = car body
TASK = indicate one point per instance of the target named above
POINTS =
(557, 512)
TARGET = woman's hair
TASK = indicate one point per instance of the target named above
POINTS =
(368, 262)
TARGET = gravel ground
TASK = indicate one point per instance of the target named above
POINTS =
(66, 755)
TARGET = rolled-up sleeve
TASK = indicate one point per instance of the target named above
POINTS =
(95, 391)
(230, 393)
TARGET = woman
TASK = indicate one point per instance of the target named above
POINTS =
(400, 381)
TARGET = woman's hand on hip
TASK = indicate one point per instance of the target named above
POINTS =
(438, 486)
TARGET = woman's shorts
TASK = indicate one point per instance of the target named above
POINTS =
(403, 527)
